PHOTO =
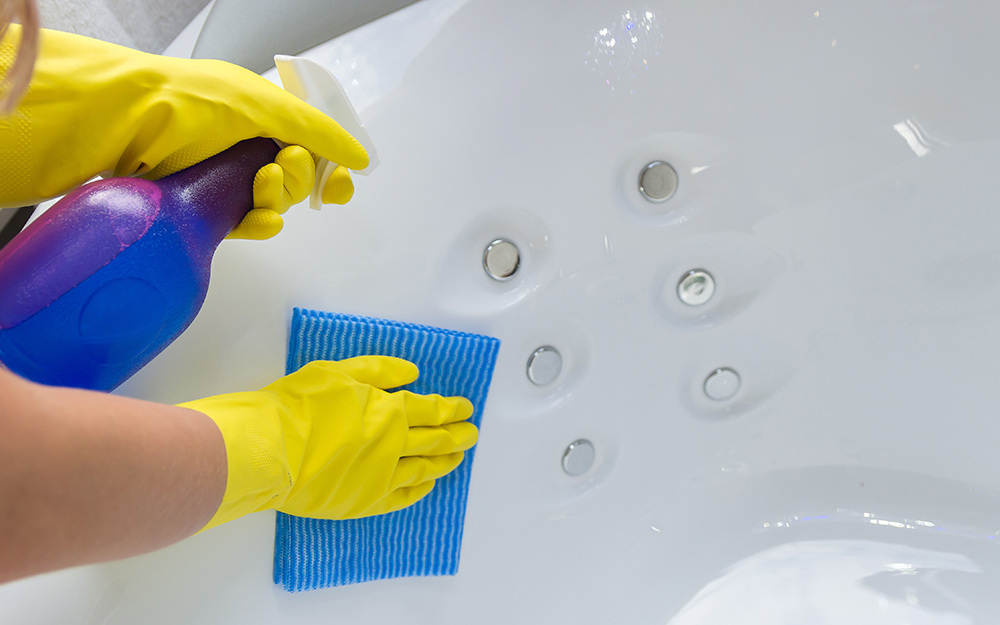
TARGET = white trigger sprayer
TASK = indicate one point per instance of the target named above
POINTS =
(314, 84)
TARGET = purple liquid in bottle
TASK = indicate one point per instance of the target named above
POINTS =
(117, 269)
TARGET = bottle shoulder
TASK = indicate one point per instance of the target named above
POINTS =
(78, 235)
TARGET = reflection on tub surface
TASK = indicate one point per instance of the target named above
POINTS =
(837, 581)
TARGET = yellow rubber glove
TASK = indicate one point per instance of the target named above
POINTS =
(329, 442)
(95, 108)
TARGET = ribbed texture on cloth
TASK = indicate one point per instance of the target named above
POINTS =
(426, 538)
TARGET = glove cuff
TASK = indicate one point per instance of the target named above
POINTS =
(259, 477)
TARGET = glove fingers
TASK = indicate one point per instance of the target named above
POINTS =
(420, 469)
(379, 371)
(339, 187)
(259, 224)
(436, 441)
(299, 171)
(302, 124)
(423, 410)
(397, 500)
(268, 188)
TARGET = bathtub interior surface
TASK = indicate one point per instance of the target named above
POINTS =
(836, 176)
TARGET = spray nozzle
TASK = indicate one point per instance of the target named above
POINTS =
(316, 85)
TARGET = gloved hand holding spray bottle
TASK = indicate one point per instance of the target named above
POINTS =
(116, 270)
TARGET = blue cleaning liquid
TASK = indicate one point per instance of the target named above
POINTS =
(114, 272)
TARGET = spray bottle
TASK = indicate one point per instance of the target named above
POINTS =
(116, 270)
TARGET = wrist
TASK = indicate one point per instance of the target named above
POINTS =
(258, 473)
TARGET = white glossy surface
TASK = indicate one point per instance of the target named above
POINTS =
(837, 165)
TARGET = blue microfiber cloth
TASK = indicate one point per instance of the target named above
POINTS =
(426, 538)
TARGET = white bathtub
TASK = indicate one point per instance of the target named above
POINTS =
(838, 177)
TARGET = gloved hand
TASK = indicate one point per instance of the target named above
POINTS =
(328, 442)
(95, 108)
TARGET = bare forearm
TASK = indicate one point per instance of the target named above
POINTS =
(87, 477)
